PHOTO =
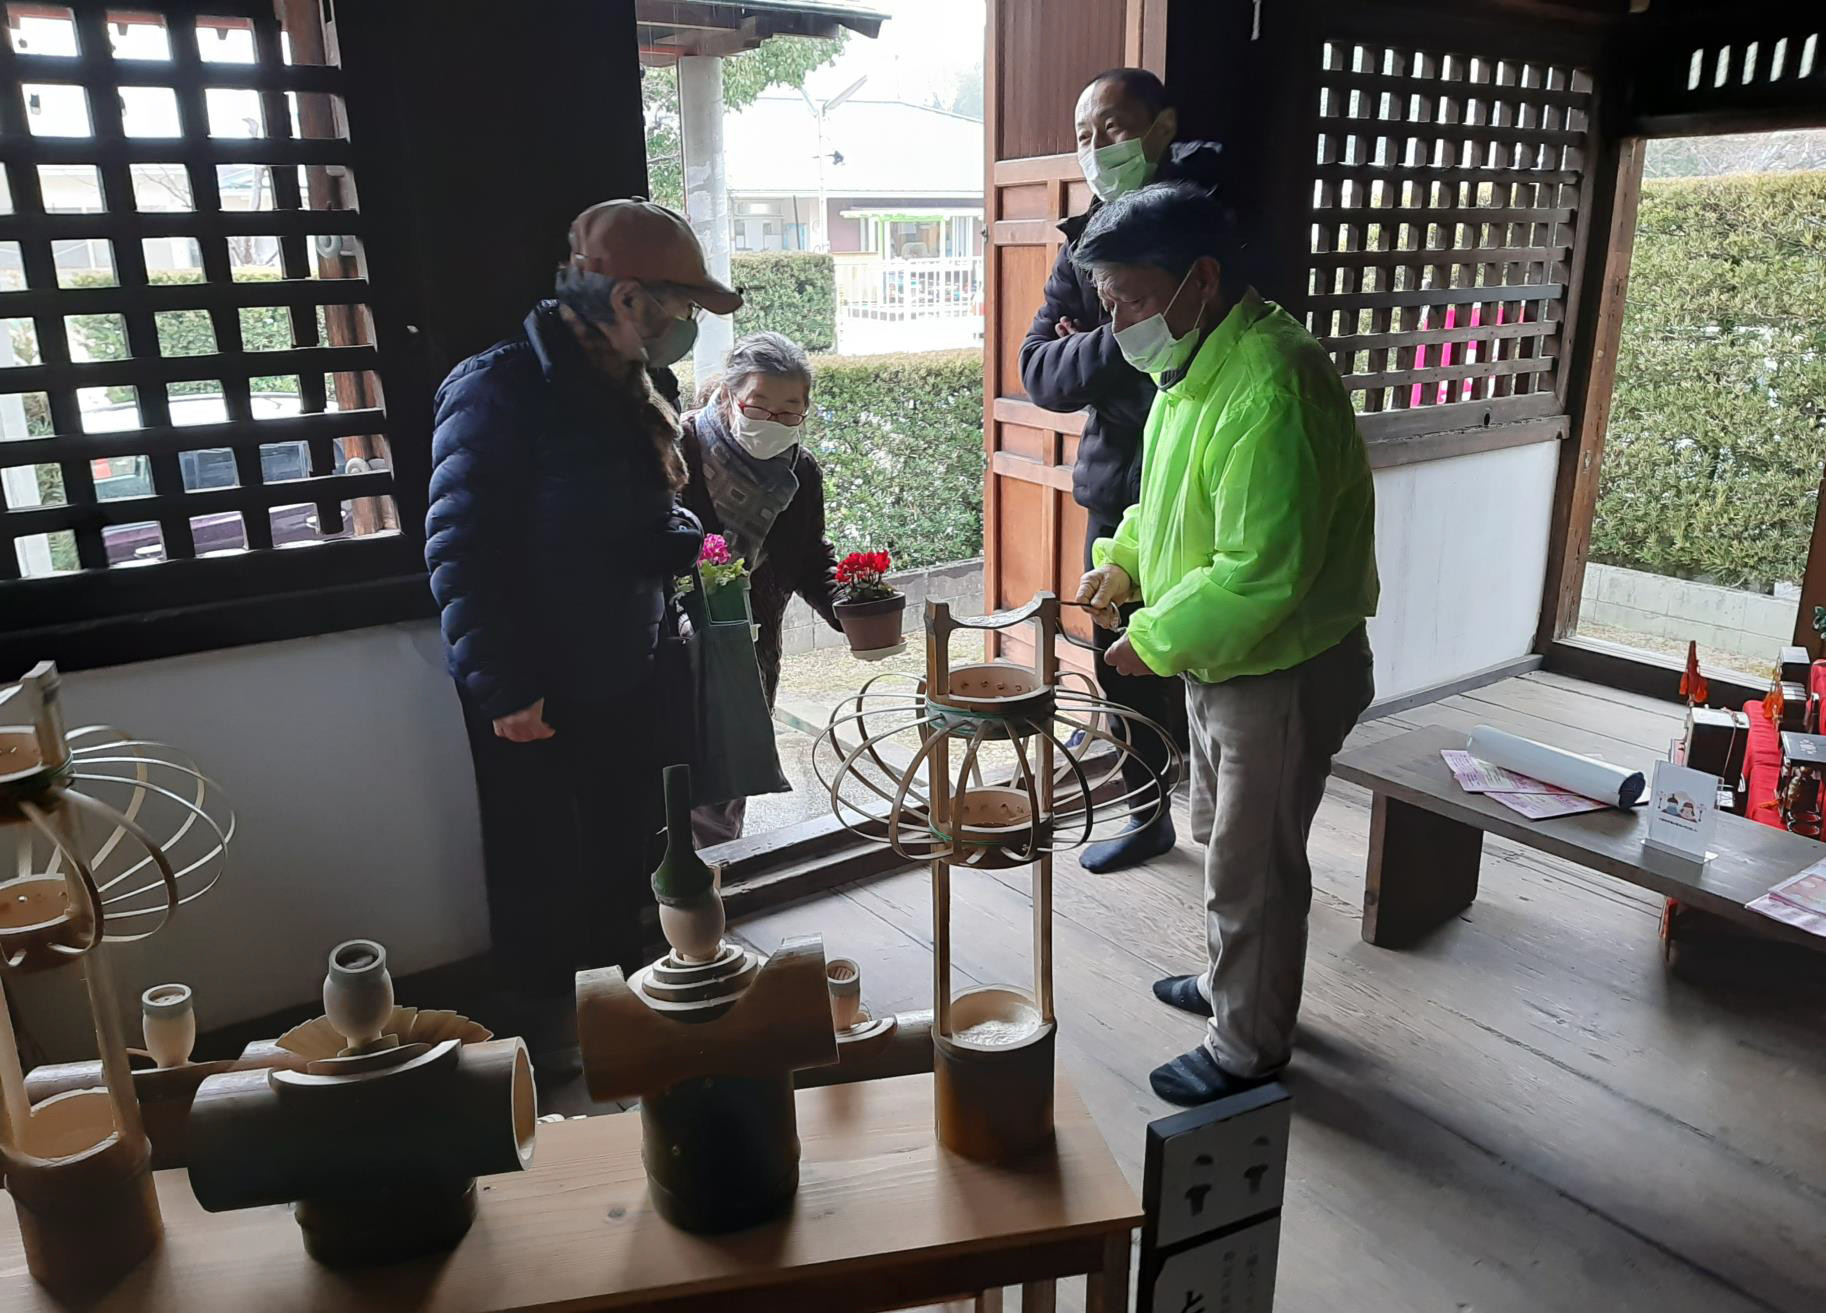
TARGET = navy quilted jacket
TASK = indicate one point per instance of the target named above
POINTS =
(552, 538)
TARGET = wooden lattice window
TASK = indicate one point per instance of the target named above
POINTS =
(188, 365)
(1444, 217)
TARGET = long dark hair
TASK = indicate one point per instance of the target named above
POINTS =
(584, 295)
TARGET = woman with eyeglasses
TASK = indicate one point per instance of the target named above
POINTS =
(751, 480)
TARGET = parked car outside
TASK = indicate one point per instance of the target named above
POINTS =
(122, 477)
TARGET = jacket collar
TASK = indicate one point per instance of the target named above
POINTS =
(1196, 382)
(553, 346)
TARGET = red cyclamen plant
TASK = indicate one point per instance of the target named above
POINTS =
(859, 577)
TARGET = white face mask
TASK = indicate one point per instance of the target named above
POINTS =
(1150, 345)
(763, 439)
(1120, 167)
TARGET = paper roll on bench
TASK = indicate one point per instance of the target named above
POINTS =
(1585, 776)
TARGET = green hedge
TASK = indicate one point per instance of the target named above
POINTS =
(1718, 426)
(900, 440)
(790, 292)
(189, 333)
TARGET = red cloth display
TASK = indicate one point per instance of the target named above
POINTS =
(1763, 762)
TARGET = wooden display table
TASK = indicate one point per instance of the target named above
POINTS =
(884, 1219)
(1426, 842)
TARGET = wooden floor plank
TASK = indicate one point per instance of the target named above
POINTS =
(1522, 1113)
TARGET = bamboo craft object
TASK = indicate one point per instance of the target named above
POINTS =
(992, 1046)
(110, 835)
(380, 1133)
(711, 1049)
(708, 1038)
(164, 1094)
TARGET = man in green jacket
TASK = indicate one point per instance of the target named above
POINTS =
(1252, 551)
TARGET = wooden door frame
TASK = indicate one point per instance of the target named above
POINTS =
(1144, 45)
(1624, 131)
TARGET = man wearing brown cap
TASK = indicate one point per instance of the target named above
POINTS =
(553, 539)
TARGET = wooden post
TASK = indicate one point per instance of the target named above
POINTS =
(938, 778)
(1046, 667)
(1108, 1291)
(1422, 871)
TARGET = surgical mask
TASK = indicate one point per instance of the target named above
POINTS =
(763, 438)
(1150, 345)
(673, 344)
(1118, 168)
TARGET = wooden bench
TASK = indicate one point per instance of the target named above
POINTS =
(1427, 836)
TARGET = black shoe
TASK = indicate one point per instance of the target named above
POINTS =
(1182, 992)
(1131, 848)
(1195, 1078)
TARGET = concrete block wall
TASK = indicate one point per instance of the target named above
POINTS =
(1732, 620)
(959, 583)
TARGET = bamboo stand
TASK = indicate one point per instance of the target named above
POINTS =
(710, 1049)
(992, 1047)
(78, 1165)
(377, 1143)
(164, 1094)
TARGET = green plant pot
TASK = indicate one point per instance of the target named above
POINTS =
(728, 604)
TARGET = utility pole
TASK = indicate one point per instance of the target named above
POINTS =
(821, 221)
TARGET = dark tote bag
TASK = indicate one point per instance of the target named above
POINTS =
(734, 755)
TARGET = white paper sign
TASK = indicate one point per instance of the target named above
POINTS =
(1231, 1273)
(1682, 810)
(1225, 1171)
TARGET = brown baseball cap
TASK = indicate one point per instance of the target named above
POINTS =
(642, 240)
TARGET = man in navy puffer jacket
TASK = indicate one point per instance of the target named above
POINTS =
(553, 539)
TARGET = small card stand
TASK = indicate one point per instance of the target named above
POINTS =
(1682, 812)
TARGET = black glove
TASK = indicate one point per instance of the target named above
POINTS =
(680, 539)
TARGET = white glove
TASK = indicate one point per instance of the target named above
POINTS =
(1103, 590)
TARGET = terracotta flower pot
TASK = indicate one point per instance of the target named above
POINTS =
(871, 626)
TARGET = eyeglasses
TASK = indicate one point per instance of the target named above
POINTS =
(791, 419)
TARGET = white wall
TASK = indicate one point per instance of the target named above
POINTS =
(1462, 547)
(345, 759)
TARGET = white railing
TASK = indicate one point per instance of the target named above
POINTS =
(896, 291)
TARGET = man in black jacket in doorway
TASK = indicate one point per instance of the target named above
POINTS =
(1070, 361)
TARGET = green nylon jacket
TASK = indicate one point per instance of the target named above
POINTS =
(1253, 544)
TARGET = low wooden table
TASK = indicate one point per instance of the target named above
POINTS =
(1427, 834)
(884, 1219)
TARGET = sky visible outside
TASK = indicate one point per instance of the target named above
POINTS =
(925, 48)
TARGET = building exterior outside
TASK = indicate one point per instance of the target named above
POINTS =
(893, 190)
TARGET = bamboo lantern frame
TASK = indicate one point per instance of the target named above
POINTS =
(993, 1046)
(78, 1165)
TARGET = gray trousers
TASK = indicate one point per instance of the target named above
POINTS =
(1261, 752)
